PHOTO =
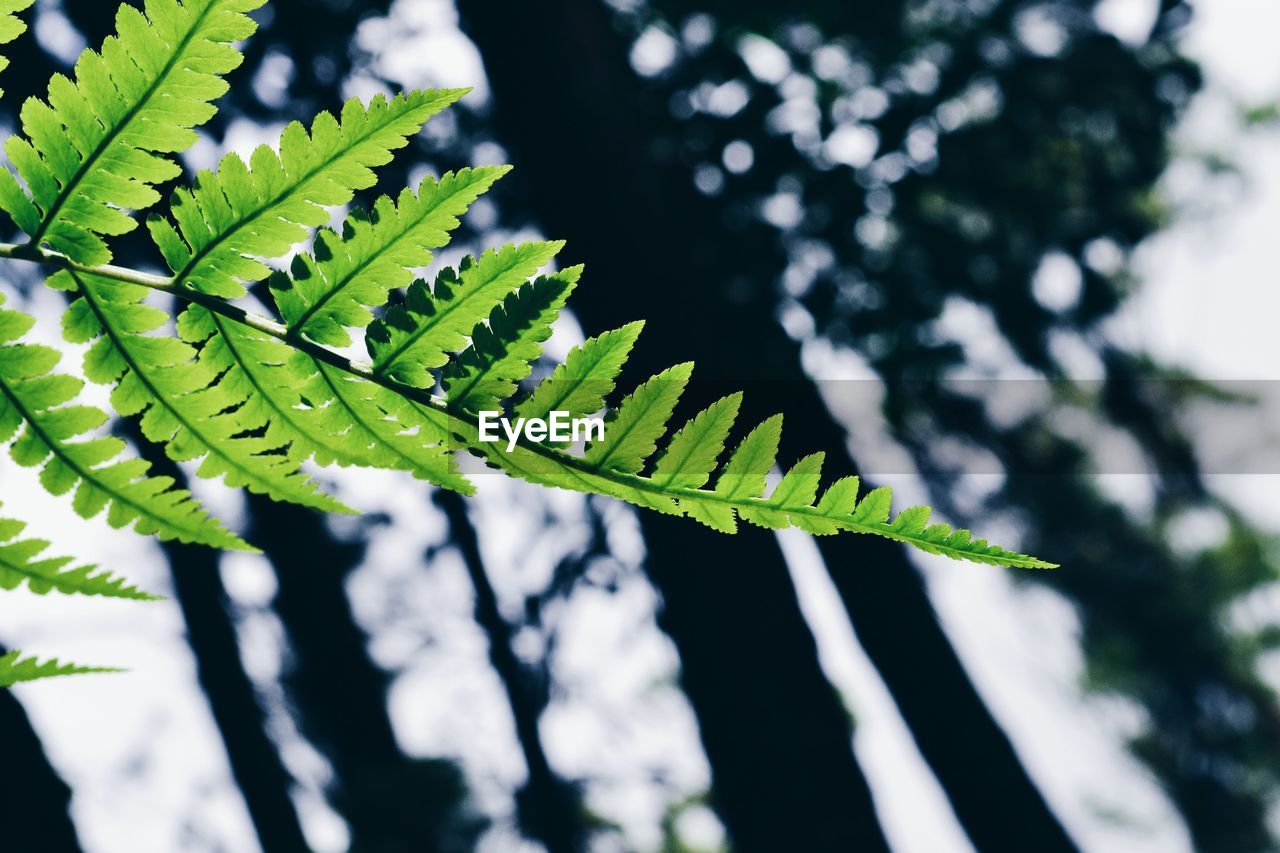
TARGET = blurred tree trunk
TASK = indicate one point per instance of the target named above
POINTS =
(255, 760)
(777, 737)
(391, 801)
(645, 232)
(35, 802)
(550, 808)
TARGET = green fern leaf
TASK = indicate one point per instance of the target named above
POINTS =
(587, 376)
(15, 669)
(253, 399)
(413, 338)
(503, 351)
(185, 398)
(20, 562)
(744, 476)
(402, 437)
(250, 399)
(299, 407)
(631, 435)
(351, 272)
(738, 492)
(34, 406)
(692, 454)
(97, 147)
(246, 212)
(11, 26)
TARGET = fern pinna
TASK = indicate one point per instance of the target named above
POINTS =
(248, 399)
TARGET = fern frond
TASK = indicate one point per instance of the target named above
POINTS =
(247, 212)
(612, 467)
(253, 399)
(411, 339)
(631, 434)
(11, 26)
(502, 352)
(732, 497)
(304, 405)
(15, 669)
(20, 562)
(187, 399)
(295, 405)
(588, 374)
(97, 147)
(349, 273)
(35, 405)
(250, 400)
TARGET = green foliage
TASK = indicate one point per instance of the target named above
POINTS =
(10, 25)
(189, 400)
(14, 669)
(47, 430)
(435, 322)
(20, 562)
(587, 376)
(502, 353)
(259, 210)
(355, 270)
(248, 399)
(96, 147)
(632, 434)
(691, 456)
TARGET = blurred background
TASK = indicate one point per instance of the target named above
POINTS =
(1015, 258)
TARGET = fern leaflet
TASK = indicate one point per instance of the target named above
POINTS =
(14, 669)
(354, 271)
(97, 146)
(244, 212)
(20, 562)
(34, 407)
(502, 352)
(587, 376)
(11, 26)
(433, 323)
(188, 399)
